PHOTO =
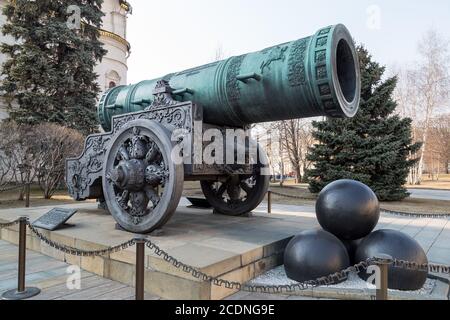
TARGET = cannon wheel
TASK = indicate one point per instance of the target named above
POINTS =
(237, 194)
(141, 184)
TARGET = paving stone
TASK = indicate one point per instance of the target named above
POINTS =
(249, 252)
(120, 271)
(215, 244)
(238, 296)
(300, 298)
(61, 290)
(33, 277)
(241, 275)
(210, 260)
(439, 255)
(172, 287)
(268, 263)
(94, 292)
(117, 294)
(52, 252)
(262, 297)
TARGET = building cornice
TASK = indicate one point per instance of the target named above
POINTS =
(116, 37)
(125, 5)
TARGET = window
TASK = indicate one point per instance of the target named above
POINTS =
(112, 79)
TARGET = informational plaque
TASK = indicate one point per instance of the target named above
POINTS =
(198, 202)
(54, 219)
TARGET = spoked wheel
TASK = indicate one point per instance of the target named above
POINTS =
(141, 184)
(237, 194)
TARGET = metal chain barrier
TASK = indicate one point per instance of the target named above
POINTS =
(79, 252)
(9, 224)
(431, 268)
(323, 281)
(292, 196)
(387, 211)
(416, 215)
(328, 280)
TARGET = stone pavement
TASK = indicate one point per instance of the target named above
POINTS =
(233, 248)
(196, 238)
(50, 275)
(430, 194)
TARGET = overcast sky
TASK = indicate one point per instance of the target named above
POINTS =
(173, 35)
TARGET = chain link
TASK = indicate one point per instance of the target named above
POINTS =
(328, 280)
(417, 215)
(79, 252)
(9, 224)
(387, 211)
(292, 196)
(431, 268)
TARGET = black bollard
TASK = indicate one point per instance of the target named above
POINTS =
(140, 268)
(21, 292)
(27, 195)
(269, 201)
(383, 262)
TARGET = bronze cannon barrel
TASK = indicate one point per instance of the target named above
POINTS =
(314, 76)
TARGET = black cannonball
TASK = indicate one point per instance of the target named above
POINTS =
(352, 246)
(401, 247)
(348, 209)
(314, 254)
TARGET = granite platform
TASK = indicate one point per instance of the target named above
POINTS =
(234, 248)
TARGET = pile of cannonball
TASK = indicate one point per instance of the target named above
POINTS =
(348, 211)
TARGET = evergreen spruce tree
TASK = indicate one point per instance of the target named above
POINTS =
(50, 70)
(373, 147)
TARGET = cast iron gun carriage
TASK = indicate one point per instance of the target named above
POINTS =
(131, 166)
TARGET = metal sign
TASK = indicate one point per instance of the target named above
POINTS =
(54, 219)
(198, 202)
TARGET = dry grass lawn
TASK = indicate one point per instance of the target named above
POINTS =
(442, 184)
(407, 205)
(9, 199)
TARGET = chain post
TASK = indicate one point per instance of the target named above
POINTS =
(269, 201)
(22, 254)
(140, 267)
(27, 195)
(383, 261)
(21, 292)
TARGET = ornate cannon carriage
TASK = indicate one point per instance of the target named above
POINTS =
(155, 130)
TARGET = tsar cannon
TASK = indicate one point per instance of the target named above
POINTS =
(137, 167)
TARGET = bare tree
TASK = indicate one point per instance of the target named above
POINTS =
(431, 80)
(55, 144)
(437, 154)
(271, 138)
(408, 106)
(295, 139)
(30, 153)
(19, 148)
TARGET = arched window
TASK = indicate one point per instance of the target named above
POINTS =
(112, 79)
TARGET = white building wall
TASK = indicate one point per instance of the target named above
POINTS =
(113, 69)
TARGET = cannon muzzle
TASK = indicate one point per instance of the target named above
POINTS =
(314, 76)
